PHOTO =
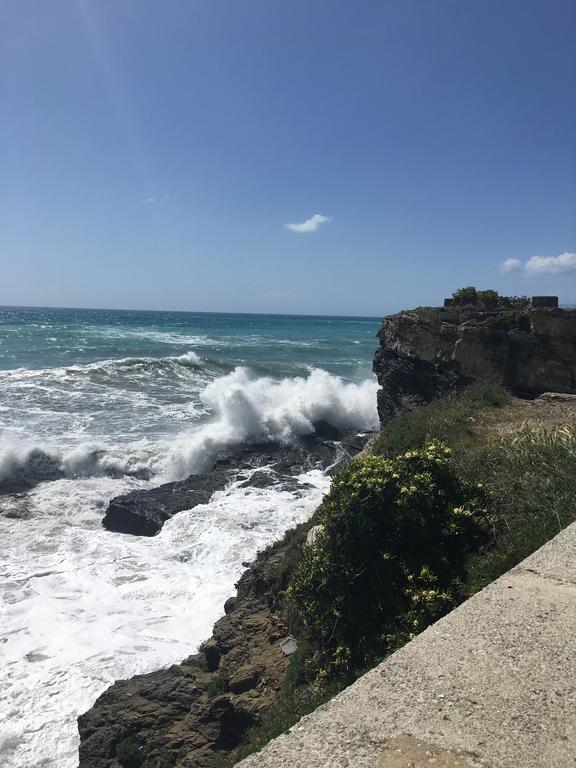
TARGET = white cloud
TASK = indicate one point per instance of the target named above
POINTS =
(310, 225)
(551, 265)
(542, 265)
(149, 201)
(510, 265)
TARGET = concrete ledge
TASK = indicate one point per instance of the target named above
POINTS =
(492, 684)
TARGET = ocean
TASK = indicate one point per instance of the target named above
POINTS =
(95, 403)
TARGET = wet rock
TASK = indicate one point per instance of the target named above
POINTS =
(143, 512)
(36, 467)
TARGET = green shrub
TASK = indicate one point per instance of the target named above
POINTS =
(130, 753)
(468, 295)
(489, 299)
(396, 534)
(513, 302)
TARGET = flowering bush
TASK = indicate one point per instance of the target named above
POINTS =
(395, 537)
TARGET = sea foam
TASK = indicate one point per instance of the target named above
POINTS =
(84, 607)
(243, 408)
(261, 409)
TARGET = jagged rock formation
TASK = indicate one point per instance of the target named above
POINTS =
(144, 512)
(426, 352)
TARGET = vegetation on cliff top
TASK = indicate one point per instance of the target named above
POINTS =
(488, 299)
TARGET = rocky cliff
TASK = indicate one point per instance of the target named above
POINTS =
(426, 352)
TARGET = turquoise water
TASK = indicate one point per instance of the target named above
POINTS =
(96, 403)
(36, 338)
(67, 375)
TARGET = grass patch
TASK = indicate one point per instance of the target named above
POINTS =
(130, 753)
(450, 420)
(529, 474)
(530, 477)
(218, 684)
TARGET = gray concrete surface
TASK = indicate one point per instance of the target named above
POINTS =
(493, 684)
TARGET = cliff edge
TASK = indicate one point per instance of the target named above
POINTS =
(427, 352)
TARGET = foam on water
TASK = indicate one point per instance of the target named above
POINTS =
(97, 403)
(258, 409)
(84, 607)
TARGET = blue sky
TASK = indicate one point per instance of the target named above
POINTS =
(152, 153)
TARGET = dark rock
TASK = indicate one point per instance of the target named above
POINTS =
(37, 467)
(212, 653)
(143, 512)
(230, 604)
(260, 479)
(430, 351)
(225, 723)
(244, 679)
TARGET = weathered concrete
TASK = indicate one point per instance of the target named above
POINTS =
(492, 684)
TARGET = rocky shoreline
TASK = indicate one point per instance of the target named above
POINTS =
(197, 712)
(143, 512)
(199, 709)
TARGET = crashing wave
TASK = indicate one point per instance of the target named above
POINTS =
(188, 358)
(250, 410)
(244, 408)
(24, 466)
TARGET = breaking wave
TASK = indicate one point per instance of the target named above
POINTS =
(243, 408)
(188, 358)
(25, 465)
(250, 410)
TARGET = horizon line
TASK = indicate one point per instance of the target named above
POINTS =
(190, 311)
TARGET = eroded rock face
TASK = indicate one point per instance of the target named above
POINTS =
(426, 352)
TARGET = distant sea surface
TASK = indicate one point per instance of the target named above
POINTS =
(95, 403)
